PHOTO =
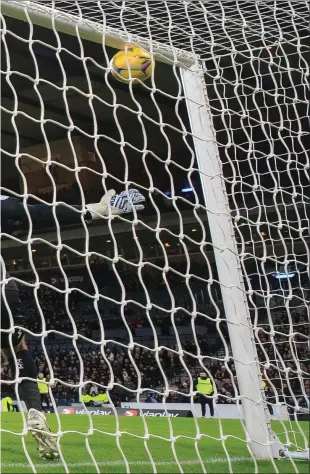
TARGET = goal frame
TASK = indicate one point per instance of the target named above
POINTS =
(89, 30)
(261, 440)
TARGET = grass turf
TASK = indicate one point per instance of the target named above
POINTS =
(103, 444)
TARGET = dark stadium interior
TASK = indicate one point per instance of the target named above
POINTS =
(81, 114)
(159, 141)
(137, 153)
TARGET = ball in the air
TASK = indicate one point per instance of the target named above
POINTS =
(133, 63)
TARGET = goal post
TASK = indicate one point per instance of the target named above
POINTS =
(262, 441)
(245, 346)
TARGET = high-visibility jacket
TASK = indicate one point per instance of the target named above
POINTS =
(86, 398)
(204, 386)
(7, 404)
(43, 388)
(264, 385)
(102, 397)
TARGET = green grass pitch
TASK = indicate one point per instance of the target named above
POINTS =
(103, 444)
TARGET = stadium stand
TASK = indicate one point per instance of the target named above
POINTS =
(66, 362)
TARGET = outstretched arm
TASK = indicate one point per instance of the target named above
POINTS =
(42, 214)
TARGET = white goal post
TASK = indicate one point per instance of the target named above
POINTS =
(229, 253)
(263, 443)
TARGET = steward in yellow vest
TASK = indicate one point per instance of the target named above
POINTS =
(43, 389)
(204, 387)
(7, 404)
(268, 395)
(101, 397)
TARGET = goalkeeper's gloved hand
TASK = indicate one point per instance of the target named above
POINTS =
(122, 203)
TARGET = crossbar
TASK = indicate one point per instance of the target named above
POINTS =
(89, 30)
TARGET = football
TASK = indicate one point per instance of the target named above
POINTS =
(133, 63)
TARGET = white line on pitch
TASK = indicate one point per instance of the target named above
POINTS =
(121, 463)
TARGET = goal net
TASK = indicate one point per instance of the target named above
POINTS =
(124, 315)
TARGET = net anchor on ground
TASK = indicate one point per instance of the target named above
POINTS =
(301, 455)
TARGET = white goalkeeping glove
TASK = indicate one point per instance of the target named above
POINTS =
(122, 203)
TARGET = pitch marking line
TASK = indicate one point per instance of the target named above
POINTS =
(121, 463)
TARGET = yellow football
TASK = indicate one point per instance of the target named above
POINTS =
(133, 63)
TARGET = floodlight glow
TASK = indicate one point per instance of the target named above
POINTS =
(283, 276)
(187, 190)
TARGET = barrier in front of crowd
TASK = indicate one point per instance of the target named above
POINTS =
(174, 410)
(106, 410)
(225, 410)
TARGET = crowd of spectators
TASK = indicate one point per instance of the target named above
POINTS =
(146, 365)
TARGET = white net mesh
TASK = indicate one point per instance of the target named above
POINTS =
(132, 307)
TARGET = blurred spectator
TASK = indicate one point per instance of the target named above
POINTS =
(151, 398)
